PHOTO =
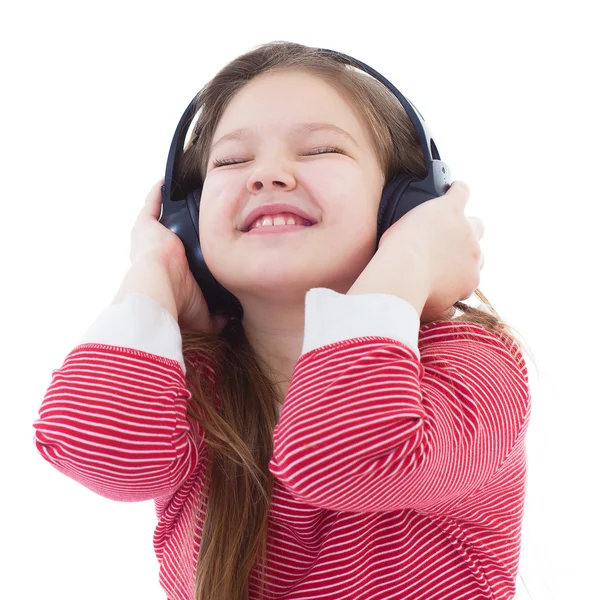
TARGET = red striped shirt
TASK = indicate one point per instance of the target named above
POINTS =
(395, 477)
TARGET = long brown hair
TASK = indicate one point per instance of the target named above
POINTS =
(239, 430)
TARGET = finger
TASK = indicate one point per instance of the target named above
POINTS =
(460, 190)
(478, 226)
(152, 206)
(220, 321)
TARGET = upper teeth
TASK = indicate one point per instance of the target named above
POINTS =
(268, 220)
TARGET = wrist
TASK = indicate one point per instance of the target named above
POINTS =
(400, 274)
(150, 277)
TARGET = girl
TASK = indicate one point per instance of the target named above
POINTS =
(349, 438)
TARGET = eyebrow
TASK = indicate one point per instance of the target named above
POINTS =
(300, 128)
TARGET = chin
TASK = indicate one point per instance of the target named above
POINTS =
(273, 281)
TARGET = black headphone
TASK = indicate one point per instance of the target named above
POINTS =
(180, 208)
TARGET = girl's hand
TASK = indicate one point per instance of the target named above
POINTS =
(447, 245)
(153, 242)
(431, 255)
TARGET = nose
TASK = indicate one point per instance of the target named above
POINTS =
(270, 178)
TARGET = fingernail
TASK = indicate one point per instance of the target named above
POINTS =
(220, 321)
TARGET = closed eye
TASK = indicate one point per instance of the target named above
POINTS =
(332, 149)
(328, 149)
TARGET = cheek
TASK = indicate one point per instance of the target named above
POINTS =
(215, 214)
(210, 229)
(360, 238)
(333, 177)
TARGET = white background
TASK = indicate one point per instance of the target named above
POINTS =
(92, 95)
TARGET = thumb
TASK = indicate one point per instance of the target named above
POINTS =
(461, 190)
(461, 186)
(153, 201)
(220, 322)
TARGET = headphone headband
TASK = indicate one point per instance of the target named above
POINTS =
(423, 132)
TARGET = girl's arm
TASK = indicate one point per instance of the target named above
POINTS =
(375, 421)
(114, 415)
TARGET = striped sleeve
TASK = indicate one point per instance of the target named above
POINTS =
(114, 419)
(368, 426)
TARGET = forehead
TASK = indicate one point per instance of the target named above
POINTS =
(280, 100)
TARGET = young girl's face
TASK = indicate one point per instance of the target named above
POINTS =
(277, 162)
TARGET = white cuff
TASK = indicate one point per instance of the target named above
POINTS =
(331, 317)
(138, 322)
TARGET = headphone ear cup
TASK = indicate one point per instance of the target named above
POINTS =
(404, 193)
(184, 223)
(389, 201)
(219, 299)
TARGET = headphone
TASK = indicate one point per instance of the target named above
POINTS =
(180, 208)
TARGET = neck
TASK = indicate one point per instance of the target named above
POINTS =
(277, 338)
